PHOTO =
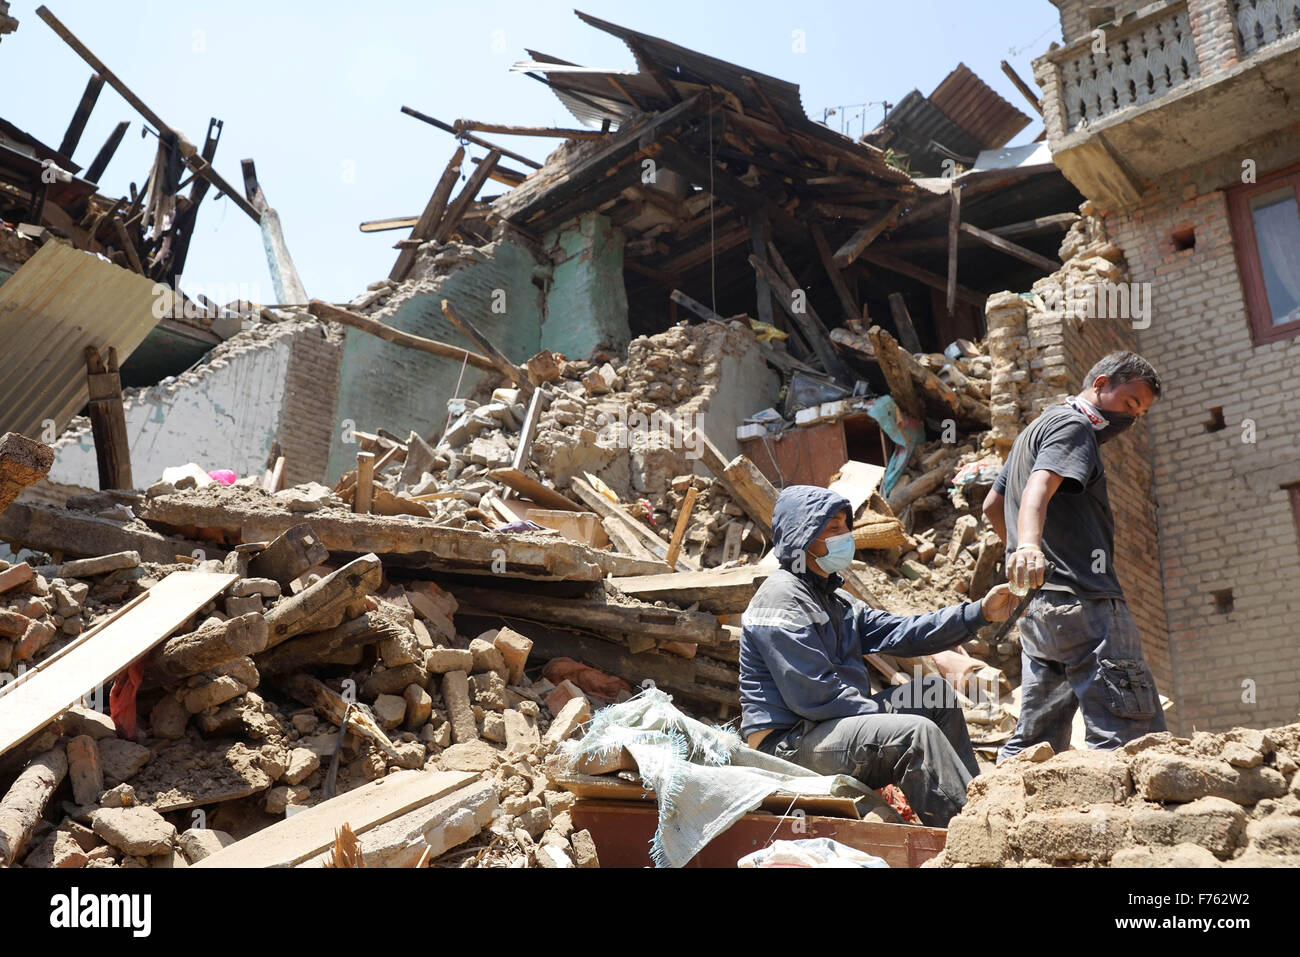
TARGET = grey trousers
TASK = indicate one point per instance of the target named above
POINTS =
(1082, 654)
(917, 741)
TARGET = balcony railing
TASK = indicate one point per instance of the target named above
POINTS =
(1261, 22)
(1135, 63)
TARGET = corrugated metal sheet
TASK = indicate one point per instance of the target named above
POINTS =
(976, 107)
(57, 303)
(913, 125)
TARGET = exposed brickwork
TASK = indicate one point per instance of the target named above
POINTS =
(1225, 519)
(307, 420)
(1214, 34)
(1040, 355)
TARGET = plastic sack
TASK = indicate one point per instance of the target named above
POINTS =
(810, 852)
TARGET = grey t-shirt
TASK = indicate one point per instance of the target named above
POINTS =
(1079, 532)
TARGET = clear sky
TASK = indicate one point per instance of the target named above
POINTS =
(312, 91)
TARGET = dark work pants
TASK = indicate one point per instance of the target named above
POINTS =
(1082, 654)
(917, 741)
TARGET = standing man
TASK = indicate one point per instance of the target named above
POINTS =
(804, 689)
(1080, 646)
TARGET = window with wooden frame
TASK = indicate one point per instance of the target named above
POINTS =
(1266, 228)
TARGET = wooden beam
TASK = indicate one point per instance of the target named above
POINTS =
(361, 498)
(101, 160)
(903, 323)
(954, 224)
(721, 591)
(1013, 249)
(863, 238)
(462, 126)
(469, 138)
(904, 268)
(1025, 89)
(649, 545)
(848, 302)
(507, 368)
(108, 419)
(759, 235)
(452, 217)
(285, 281)
(381, 225)
(323, 310)
(679, 530)
(77, 126)
(807, 320)
(432, 215)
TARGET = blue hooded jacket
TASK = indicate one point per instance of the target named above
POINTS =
(803, 639)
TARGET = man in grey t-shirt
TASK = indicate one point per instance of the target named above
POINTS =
(1080, 646)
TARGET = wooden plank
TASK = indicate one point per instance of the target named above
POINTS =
(323, 310)
(756, 495)
(39, 695)
(610, 787)
(646, 543)
(605, 618)
(524, 449)
(863, 237)
(721, 591)
(1013, 249)
(507, 368)
(100, 163)
(1025, 89)
(903, 323)
(758, 239)
(382, 225)
(47, 529)
(307, 833)
(533, 490)
(679, 530)
(806, 319)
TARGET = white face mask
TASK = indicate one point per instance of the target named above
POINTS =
(839, 554)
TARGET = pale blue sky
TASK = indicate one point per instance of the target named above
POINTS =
(312, 91)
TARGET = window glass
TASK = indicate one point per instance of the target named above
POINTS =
(1276, 218)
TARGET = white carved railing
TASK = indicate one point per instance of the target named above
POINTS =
(1137, 62)
(1261, 22)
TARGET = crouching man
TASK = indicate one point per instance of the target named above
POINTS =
(805, 694)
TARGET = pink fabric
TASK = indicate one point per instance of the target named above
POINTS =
(224, 476)
(121, 700)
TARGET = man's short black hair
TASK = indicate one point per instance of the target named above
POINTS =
(1121, 367)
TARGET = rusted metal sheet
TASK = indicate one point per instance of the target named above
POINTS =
(802, 456)
(622, 831)
(977, 108)
(57, 303)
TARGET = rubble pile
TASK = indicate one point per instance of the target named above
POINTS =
(1212, 800)
(238, 717)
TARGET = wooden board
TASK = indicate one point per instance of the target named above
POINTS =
(532, 489)
(721, 591)
(309, 832)
(622, 831)
(612, 787)
(41, 694)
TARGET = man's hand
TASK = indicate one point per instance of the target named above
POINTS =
(998, 604)
(1026, 569)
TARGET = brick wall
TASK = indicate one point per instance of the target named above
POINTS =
(307, 419)
(1041, 350)
(1225, 519)
(1213, 33)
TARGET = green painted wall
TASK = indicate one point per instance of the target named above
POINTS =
(383, 385)
(586, 303)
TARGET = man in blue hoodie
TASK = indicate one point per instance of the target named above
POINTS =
(804, 690)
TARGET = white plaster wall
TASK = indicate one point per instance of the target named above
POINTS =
(224, 414)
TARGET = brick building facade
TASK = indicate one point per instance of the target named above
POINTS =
(1180, 125)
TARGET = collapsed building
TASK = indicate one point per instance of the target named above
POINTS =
(531, 471)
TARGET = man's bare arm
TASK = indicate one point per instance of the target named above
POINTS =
(993, 511)
(1027, 567)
